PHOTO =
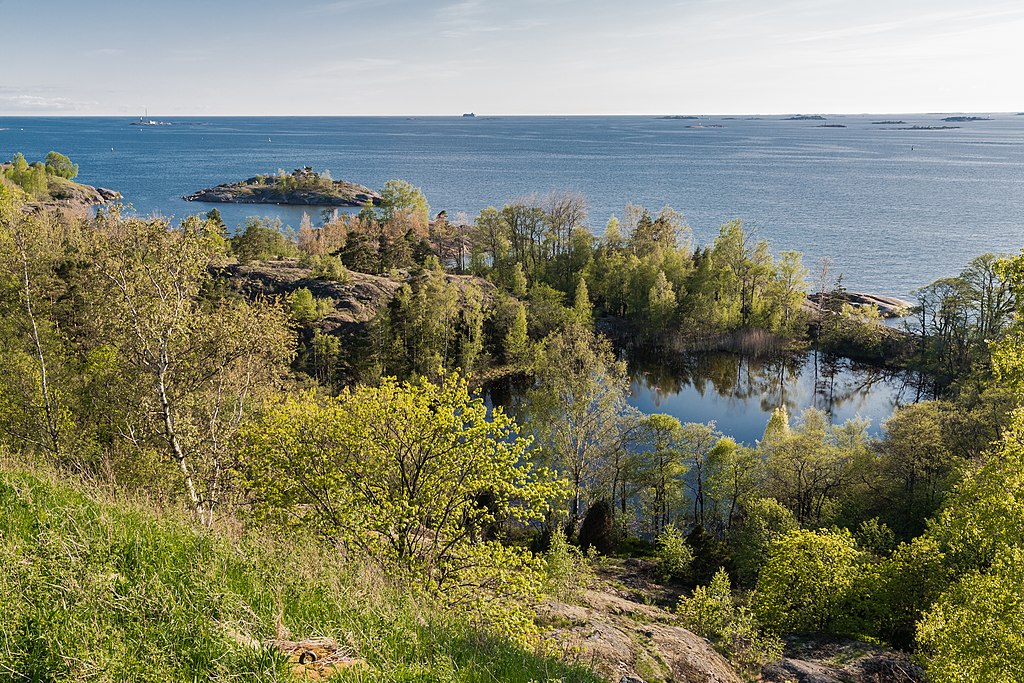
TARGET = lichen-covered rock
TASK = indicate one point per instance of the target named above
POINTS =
(627, 641)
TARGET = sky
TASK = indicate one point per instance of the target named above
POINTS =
(509, 57)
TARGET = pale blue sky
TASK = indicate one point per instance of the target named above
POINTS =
(425, 57)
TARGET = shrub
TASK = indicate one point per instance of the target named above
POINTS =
(306, 308)
(396, 472)
(330, 268)
(674, 555)
(711, 613)
(567, 572)
(764, 520)
(806, 583)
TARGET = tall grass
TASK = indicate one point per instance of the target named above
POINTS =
(94, 588)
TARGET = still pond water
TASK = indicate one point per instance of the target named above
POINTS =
(738, 393)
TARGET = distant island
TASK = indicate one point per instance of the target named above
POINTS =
(302, 187)
(831, 125)
(966, 119)
(804, 118)
(709, 125)
(888, 123)
(678, 117)
(928, 128)
(469, 115)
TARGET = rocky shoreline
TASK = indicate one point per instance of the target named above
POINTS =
(302, 187)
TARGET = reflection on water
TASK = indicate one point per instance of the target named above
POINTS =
(740, 392)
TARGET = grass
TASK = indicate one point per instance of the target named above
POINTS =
(93, 588)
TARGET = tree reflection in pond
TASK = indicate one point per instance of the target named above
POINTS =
(740, 392)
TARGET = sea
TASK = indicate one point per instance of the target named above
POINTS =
(896, 201)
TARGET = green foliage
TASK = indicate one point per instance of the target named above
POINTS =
(578, 408)
(566, 571)
(31, 178)
(711, 613)
(418, 476)
(806, 583)
(674, 554)
(973, 632)
(305, 308)
(433, 324)
(330, 268)
(875, 537)
(262, 239)
(399, 197)
(59, 165)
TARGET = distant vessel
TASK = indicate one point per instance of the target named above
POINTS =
(146, 121)
(470, 115)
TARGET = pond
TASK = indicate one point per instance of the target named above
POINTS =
(740, 392)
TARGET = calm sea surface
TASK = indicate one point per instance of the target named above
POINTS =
(895, 209)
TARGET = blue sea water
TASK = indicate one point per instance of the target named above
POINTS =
(895, 209)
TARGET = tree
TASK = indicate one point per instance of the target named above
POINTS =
(398, 197)
(661, 467)
(972, 633)
(581, 307)
(516, 342)
(59, 165)
(764, 520)
(697, 441)
(661, 303)
(195, 366)
(914, 468)
(413, 474)
(578, 407)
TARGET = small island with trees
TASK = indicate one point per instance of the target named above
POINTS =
(303, 187)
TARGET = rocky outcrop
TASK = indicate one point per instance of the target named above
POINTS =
(888, 306)
(837, 660)
(356, 301)
(302, 187)
(626, 641)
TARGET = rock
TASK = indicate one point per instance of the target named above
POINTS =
(626, 641)
(356, 302)
(824, 659)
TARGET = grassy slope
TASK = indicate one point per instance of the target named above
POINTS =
(93, 589)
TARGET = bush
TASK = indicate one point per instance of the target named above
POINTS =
(262, 239)
(567, 572)
(764, 520)
(807, 581)
(330, 268)
(674, 555)
(711, 613)
(306, 308)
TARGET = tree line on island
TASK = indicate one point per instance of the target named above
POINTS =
(130, 361)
